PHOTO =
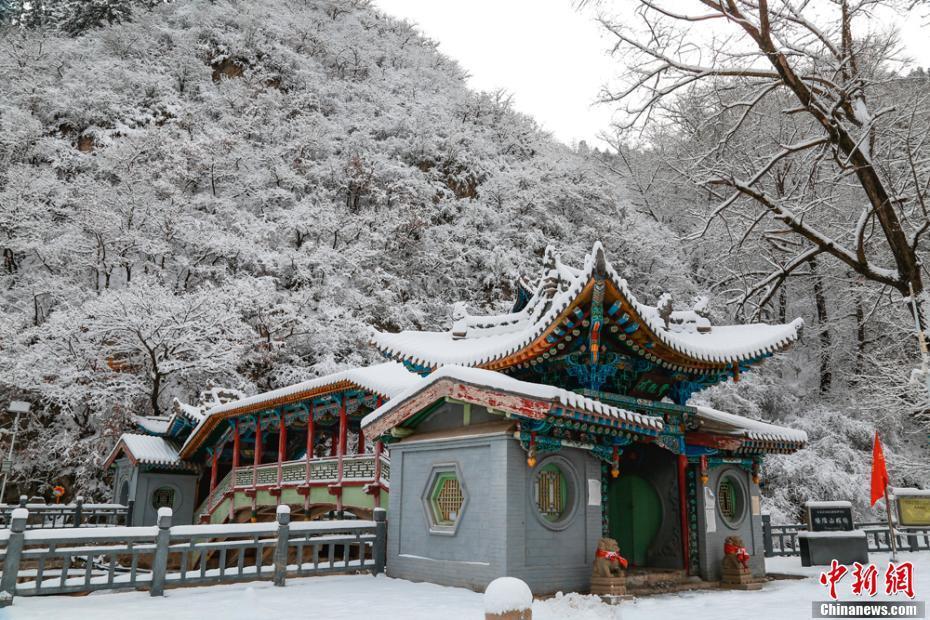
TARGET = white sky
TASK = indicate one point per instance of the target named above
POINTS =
(551, 57)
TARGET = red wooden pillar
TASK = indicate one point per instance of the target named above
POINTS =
(282, 444)
(683, 509)
(213, 468)
(234, 482)
(378, 448)
(236, 442)
(343, 429)
(257, 460)
(310, 438)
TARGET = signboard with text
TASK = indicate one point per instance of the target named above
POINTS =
(913, 510)
(829, 517)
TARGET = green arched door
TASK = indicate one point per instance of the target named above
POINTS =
(635, 513)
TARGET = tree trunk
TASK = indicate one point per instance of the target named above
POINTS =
(156, 389)
(820, 300)
(860, 337)
(871, 182)
(782, 305)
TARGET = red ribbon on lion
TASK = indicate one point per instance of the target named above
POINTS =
(613, 556)
(740, 552)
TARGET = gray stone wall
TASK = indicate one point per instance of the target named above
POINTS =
(553, 557)
(144, 483)
(498, 531)
(124, 472)
(475, 553)
(710, 544)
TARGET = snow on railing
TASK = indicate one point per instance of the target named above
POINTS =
(782, 540)
(77, 514)
(64, 561)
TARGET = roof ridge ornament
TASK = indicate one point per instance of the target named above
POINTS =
(459, 320)
(550, 257)
(600, 260)
(664, 306)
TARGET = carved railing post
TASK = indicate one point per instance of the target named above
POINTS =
(160, 562)
(767, 535)
(14, 551)
(280, 548)
(78, 511)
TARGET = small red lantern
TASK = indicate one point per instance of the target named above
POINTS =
(58, 491)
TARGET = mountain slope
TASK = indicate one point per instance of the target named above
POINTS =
(232, 192)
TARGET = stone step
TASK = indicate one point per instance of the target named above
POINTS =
(646, 578)
(671, 588)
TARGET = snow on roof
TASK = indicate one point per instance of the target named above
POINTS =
(386, 379)
(749, 428)
(191, 412)
(479, 340)
(148, 450)
(480, 377)
(153, 425)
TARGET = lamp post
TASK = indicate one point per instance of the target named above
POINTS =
(15, 407)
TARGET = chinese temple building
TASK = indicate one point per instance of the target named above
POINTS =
(507, 445)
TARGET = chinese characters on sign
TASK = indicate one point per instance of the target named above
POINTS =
(830, 519)
(913, 511)
(897, 579)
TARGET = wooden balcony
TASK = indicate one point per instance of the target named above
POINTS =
(361, 485)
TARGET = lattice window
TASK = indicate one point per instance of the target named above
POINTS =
(163, 497)
(551, 492)
(730, 501)
(550, 499)
(446, 499)
(727, 504)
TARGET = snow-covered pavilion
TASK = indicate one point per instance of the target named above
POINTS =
(507, 444)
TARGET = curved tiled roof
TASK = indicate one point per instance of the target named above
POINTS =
(753, 430)
(148, 450)
(385, 379)
(490, 379)
(483, 340)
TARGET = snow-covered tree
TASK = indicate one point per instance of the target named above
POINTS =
(283, 174)
(843, 172)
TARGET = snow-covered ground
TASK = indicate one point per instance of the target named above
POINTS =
(361, 596)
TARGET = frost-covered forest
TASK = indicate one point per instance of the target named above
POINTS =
(232, 193)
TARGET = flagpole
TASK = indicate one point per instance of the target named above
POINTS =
(892, 537)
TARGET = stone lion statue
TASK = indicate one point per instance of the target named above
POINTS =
(735, 556)
(607, 559)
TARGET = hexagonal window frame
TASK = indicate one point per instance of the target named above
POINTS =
(440, 473)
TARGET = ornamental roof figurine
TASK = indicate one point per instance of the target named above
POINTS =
(589, 322)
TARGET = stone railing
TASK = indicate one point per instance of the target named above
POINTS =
(68, 561)
(780, 540)
(77, 514)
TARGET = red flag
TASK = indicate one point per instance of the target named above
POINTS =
(879, 471)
